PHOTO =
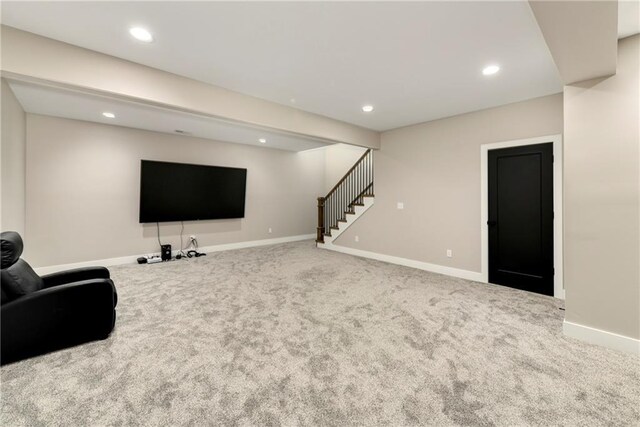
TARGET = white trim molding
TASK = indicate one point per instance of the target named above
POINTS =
(254, 243)
(603, 338)
(108, 262)
(434, 268)
(558, 281)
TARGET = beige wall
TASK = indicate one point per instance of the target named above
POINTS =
(582, 36)
(84, 179)
(434, 169)
(338, 160)
(13, 153)
(62, 64)
(602, 193)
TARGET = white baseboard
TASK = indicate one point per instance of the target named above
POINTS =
(600, 337)
(108, 262)
(253, 243)
(434, 268)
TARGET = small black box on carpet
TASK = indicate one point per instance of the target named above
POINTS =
(165, 252)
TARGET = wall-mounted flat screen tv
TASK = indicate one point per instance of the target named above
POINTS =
(184, 192)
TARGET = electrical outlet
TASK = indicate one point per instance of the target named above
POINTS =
(357, 238)
(270, 230)
(449, 253)
(400, 205)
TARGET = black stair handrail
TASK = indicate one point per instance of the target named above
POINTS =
(350, 191)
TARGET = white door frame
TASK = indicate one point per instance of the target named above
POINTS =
(558, 283)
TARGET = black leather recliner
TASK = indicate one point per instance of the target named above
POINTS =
(42, 314)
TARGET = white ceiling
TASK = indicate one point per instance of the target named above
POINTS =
(628, 18)
(81, 106)
(414, 61)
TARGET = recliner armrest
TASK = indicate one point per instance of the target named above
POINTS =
(75, 275)
(56, 317)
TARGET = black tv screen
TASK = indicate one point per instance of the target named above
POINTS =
(184, 192)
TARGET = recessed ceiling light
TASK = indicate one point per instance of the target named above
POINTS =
(141, 34)
(109, 115)
(262, 140)
(367, 108)
(490, 69)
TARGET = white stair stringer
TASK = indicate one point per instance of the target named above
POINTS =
(350, 219)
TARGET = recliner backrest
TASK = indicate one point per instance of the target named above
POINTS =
(11, 247)
(17, 278)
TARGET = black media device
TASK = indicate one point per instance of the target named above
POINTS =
(184, 192)
(165, 252)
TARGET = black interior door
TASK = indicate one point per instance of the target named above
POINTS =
(521, 217)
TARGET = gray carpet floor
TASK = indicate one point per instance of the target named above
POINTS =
(293, 335)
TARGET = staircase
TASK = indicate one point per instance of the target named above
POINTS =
(351, 197)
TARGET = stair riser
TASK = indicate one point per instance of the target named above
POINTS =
(342, 226)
